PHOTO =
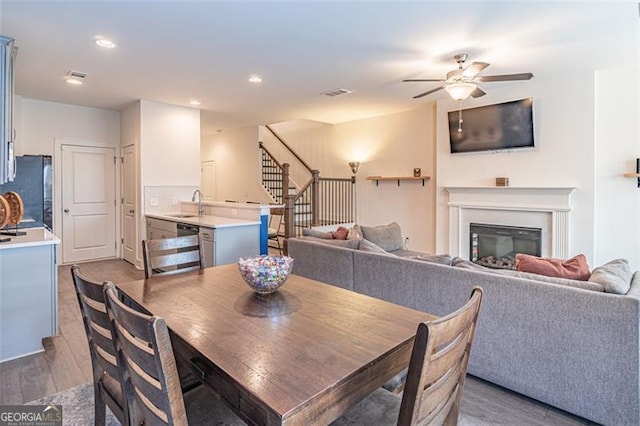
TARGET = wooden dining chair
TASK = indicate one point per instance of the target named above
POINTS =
(107, 378)
(151, 381)
(435, 378)
(167, 256)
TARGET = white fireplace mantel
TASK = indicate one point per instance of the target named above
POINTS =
(547, 208)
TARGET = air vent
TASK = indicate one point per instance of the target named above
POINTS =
(76, 74)
(336, 92)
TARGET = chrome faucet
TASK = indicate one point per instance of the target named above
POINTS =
(193, 198)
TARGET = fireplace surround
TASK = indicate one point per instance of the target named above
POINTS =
(545, 208)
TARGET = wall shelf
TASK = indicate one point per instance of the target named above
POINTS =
(398, 178)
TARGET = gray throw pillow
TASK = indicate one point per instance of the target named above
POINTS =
(389, 237)
(614, 276)
(310, 232)
(366, 245)
(350, 244)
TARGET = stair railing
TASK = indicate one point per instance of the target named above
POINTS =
(320, 201)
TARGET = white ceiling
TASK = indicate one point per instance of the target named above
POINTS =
(173, 51)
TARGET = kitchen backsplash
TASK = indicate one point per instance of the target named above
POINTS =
(166, 198)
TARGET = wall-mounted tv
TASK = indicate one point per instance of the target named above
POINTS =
(498, 127)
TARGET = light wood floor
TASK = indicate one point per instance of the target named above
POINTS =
(65, 363)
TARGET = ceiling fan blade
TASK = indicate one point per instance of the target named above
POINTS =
(477, 93)
(506, 77)
(473, 69)
(428, 93)
(421, 79)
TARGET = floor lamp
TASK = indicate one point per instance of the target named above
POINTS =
(354, 168)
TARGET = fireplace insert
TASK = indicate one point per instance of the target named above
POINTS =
(495, 246)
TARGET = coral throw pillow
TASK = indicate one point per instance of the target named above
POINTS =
(575, 268)
(340, 233)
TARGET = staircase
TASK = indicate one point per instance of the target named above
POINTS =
(273, 182)
(320, 201)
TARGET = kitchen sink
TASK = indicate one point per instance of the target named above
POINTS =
(182, 215)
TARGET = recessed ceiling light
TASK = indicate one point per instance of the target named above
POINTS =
(194, 102)
(255, 79)
(105, 42)
(74, 81)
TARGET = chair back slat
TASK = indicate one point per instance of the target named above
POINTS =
(139, 353)
(171, 255)
(447, 358)
(96, 322)
(97, 314)
(438, 366)
(154, 386)
(435, 396)
(172, 259)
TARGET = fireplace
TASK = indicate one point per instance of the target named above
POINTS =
(496, 246)
(545, 208)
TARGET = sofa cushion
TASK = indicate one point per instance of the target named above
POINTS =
(575, 268)
(389, 237)
(351, 244)
(443, 259)
(593, 286)
(310, 232)
(614, 276)
(366, 245)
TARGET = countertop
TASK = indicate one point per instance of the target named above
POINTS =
(33, 237)
(206, 221)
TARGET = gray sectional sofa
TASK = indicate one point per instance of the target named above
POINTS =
(573, 348)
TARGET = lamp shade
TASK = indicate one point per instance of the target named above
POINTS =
(460, 91)
(354, 166)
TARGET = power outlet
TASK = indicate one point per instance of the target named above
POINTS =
(153, 201)
(175, 201)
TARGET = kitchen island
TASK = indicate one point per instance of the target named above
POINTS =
(28, 292)
(223, 239)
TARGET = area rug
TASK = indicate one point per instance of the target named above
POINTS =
(204, 407)
(77, 406)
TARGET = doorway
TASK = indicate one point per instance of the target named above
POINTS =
(88, 202)
(208, 184)
(129, 209)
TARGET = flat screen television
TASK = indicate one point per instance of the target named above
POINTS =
(499, 127)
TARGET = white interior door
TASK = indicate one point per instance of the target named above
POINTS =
(129, 210)
(208, 176)
(88, 203)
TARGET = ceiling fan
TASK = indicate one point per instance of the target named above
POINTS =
(463, 82)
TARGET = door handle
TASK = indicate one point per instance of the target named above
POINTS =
(66, 210)
(131, 211)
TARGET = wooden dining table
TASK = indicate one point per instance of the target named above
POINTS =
(301, 355)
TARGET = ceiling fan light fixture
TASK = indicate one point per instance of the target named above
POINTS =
(460, 91)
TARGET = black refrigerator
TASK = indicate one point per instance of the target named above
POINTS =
(33, 181)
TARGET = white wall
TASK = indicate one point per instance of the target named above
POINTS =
(564, 154)
(237, 160)
(388, 145)
(169, 144)
(617, 145)
(42, 121)
(393, 145)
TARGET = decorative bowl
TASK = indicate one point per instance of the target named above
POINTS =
(265, 274)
